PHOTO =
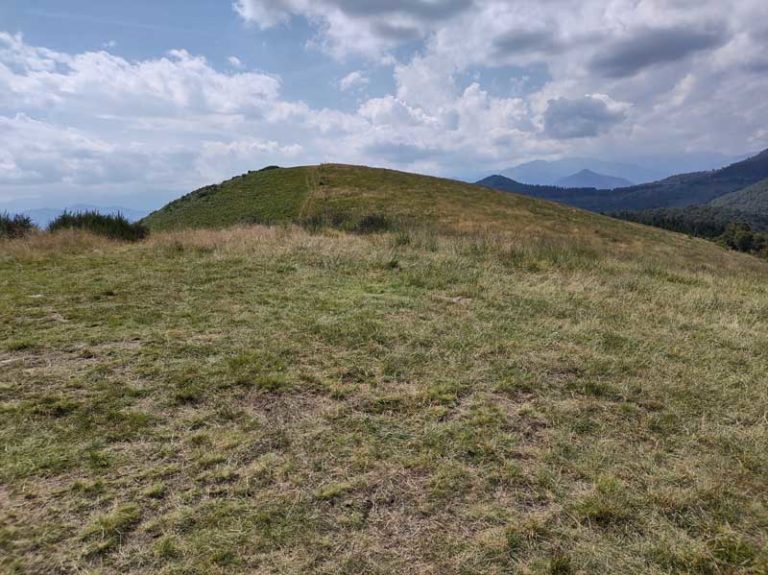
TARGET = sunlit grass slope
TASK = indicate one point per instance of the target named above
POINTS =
(341, 192)
(265, 196)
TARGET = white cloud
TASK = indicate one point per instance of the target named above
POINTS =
(643, 76)
(584, 117)
(35, 151)
(217, 156)
(353, 80)
(176, 83)
(350, 26)
(235, 62)
(100, 122)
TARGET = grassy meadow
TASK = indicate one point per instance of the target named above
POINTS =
(269, 400)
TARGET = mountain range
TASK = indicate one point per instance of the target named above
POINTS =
(641, 170)
(551, 173)
(678, 191)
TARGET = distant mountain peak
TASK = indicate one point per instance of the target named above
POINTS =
(587, 178)
(548, 173)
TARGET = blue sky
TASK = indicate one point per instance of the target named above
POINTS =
(136, 102)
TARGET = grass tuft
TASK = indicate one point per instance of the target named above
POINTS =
(109, 531)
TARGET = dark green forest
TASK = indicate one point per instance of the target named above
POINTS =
(741, 231)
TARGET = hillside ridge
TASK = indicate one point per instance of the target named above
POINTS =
(752, 199)
(359, 198)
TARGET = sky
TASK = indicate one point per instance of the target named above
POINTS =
(134, 103)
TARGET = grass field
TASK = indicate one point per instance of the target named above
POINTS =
(264, 400)
(570, 394)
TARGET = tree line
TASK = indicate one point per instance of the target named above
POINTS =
(741, 231)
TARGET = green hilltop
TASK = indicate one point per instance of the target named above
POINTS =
(346, 194)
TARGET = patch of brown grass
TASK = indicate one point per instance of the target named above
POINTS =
(42, 244)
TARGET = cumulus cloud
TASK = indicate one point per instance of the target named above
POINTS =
(350, 26)
(99, 123)
(177, 82)
(36, 151)
(648, 76)
(94, 120)
(583, 117)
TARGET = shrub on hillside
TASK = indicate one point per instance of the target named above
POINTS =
(367, 224)
(740, 237)
(373, 223)
(116, 227)
(12, 227)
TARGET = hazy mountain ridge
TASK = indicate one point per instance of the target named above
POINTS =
(640, 170)
(590, 179)
(676, 191)
(550, 172)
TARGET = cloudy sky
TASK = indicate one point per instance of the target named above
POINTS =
(132, 103)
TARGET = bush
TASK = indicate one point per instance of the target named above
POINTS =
(116, 227)
(372, 224)
(12, 227)
(367, 224)
(740, 237)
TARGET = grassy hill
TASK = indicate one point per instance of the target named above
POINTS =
(753, 200)
(344, 195)
(674, 192)
(502, 385)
